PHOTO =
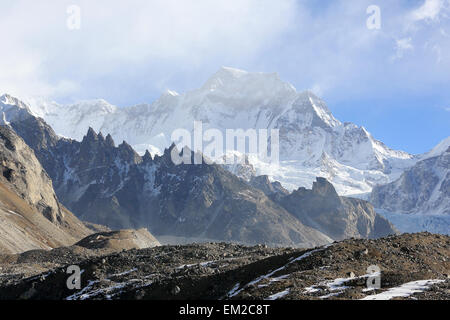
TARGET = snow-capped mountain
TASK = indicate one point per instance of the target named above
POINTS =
(420, 199)
(312, 142)
(13, 109)
(49, 148)
(422, 189)
(116, 187)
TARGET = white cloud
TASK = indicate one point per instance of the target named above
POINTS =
(402, 46)
(38, 49)
(430, 10)
(124, 50)
(425, 26)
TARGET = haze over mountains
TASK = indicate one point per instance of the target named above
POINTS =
(93, 177)
(422, 194)
(114, 265)
(312, 142)
(113, 185)
(423, 188)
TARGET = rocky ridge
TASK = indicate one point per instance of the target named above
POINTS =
(423, 188)
(312, 141)
(116, 187)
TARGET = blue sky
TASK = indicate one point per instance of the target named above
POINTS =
(394, 80)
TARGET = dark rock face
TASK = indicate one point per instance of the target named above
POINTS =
(271, 189)
(424, 188)
(209, 202)
(30, 213)
(25, 174)
(323, 188)
(116, 187)
(338, 217)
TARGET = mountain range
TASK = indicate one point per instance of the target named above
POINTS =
(312, 141)
(420, 199)
(113, 185)
(138, 183)
(38, 234)
(424, 188)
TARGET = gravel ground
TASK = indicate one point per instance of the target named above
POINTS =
(231, 271)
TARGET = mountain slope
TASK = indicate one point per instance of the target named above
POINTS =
(115, 186)
(312, 142)
(338, 217)
(30, 214)
(424, 188)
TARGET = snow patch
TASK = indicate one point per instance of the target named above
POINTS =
(279, 295)
(404, 290)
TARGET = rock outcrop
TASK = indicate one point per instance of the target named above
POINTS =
(114, 186)
(338, 217)
(31, 216)
(25, 174)
(119, 240)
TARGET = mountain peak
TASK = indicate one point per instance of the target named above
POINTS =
(168, 151)
(235, 72)
(324, 188)
(7, 99)
(309, 94)
(124, 145)
(147, 156)
(308, 102)
(231, 81)
(223, 76)
(127, 153)
(110, 141)
(91, 134)
(441, 148)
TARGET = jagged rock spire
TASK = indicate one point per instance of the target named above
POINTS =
(109, 141)
(128, 154)
(147, 156)
(91, 135)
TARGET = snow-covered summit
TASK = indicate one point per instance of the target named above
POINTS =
(422, 189)
(442, 147)
(248, 85)
(312, 141)
(12, 109)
